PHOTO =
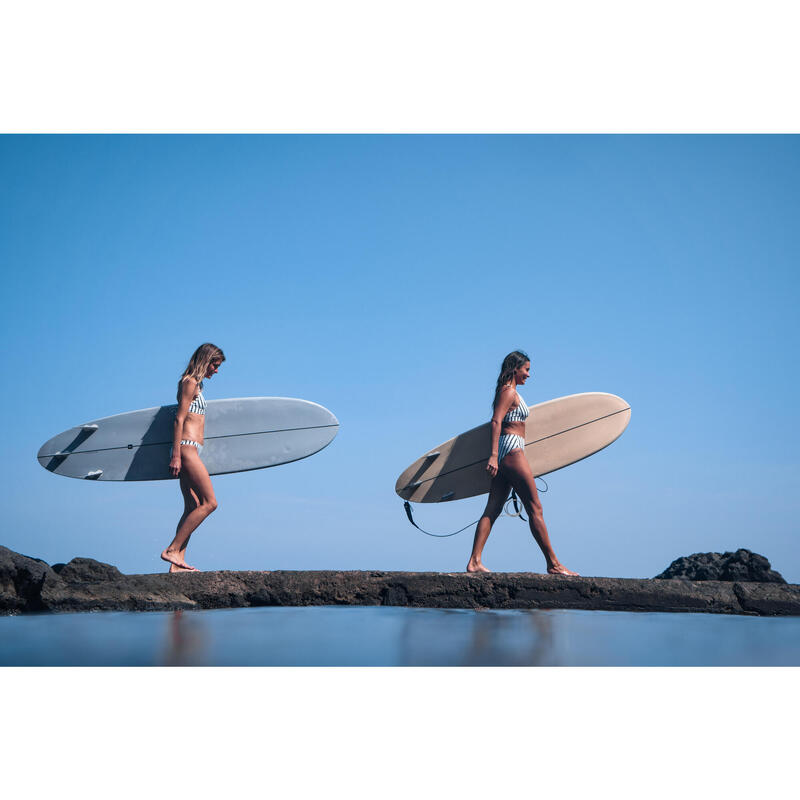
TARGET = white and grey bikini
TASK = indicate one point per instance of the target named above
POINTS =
(197, 406)
(512, 441)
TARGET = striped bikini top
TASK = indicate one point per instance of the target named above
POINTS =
(518, 413)
(198, 405)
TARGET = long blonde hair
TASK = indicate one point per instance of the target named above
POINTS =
(198, 364)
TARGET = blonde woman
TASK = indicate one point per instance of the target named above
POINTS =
(508, 466)
(187, 445)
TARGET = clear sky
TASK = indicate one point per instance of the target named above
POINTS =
(385, 277)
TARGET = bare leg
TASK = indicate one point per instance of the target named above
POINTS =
(518, 472)
(494, 505)
(198, 483)
(190, 503)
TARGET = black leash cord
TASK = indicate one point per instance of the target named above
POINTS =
(517, 512)
(407, 506)
(513, 499)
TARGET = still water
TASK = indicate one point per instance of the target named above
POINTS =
(380, 636)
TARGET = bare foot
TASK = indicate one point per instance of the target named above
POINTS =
(476, 566)
(176, 559)
(176, 568)
(560, 569)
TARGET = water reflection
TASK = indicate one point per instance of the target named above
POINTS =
(344, 636)
(187, 640)
(396, 636)
(478, 638)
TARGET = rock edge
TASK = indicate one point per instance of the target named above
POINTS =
(29, 584)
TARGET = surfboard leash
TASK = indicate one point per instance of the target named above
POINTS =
(515, 500)
(517, 510)
(512, 499)
(407, 507)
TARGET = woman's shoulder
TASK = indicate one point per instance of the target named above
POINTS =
(508, 391)
(506, 397)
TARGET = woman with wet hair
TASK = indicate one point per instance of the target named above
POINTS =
(187, 445)
(508, 466)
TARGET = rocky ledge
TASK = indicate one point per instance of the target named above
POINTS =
(29, 584)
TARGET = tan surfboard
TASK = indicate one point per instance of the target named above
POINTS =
(557, 433)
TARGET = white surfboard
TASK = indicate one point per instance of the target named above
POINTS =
(240, 434)
(557, 433)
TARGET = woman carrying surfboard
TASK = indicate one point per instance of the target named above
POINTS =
(508, 466)
(187, 444)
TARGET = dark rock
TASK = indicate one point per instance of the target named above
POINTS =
(765, 599)
(742, 565)
(28, 584)
(21, 580)
(86, 570)
(126, 593)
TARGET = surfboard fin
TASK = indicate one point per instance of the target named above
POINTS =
(56, 460)
(433, 455)
(94, 474)
(447, 496)
(89, 428)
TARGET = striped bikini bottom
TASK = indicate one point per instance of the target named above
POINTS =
(192, 444)
(507, 443)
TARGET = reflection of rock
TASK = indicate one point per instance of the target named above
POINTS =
(27, 584)
(739, 566)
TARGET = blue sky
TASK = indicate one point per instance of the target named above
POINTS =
(385, 277)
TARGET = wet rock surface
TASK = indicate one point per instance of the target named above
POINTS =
(743, 565)
(28, 584)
